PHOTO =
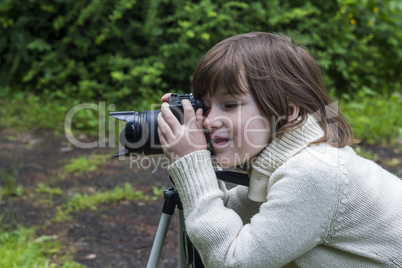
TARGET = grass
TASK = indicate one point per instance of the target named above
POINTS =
(46, 189)
(366, 154)
(375, 118)
(20, 248)
(45, 193)
(8, 184)
(27, 112)
(84, 164)
(80, 202)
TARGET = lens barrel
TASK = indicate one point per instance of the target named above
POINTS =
(141, 132)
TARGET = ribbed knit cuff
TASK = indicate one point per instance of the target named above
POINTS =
(195, 179)
(258, 188)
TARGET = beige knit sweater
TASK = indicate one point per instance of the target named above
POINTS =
(314, 206)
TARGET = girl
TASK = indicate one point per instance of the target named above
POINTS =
(311, 202)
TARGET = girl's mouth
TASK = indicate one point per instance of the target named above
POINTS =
(220, 142)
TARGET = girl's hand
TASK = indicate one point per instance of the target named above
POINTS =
(178, 140)
(166, 97)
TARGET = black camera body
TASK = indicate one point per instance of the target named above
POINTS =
(140, 134)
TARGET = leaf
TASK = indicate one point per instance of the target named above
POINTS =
(39, 45)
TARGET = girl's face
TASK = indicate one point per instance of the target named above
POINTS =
(238, 130)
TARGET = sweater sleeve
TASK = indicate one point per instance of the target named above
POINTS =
(237, 199)
(292, 221)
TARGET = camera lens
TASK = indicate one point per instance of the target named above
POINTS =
(140, 134)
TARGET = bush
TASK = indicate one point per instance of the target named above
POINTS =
(358, 46)
(128, 51)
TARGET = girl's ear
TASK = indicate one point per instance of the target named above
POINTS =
(293, 111)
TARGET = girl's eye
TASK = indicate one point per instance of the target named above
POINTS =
(231, 105)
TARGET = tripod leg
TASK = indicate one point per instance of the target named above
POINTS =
(182, 249)
(159, 240)
(172, 200)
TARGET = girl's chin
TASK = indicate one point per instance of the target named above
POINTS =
(226, 165)
(223, 160)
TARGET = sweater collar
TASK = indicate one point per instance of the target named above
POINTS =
(278, 151)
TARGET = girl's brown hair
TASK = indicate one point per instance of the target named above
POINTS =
(275, 71)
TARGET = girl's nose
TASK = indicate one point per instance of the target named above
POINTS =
(212, 120)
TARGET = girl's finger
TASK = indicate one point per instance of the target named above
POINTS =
(164, 129)
(165, 146)
(189, 115)
(199, 115)
(170, 119)
(162, 138)
(166, 97)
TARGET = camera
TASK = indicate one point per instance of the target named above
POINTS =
(140, 135)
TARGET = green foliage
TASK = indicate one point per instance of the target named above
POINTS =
(20, 248)
(375, 118)
(81, 202)
(366, 154)
(129, 52)
(55, 55)
(72, 49)
(44, 194)
(30, 112)
(46, 189)
(85, 164)
(8, 185)
(84, 201)
(357, 44)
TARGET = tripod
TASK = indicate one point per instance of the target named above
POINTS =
(188, 255)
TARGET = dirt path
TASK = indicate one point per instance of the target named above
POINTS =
(112, 235)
